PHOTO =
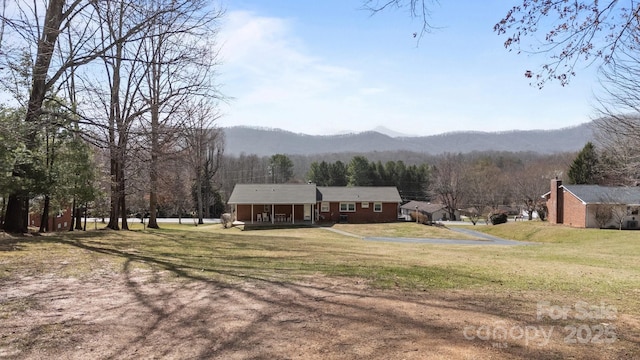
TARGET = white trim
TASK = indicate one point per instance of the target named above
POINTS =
(347, 203)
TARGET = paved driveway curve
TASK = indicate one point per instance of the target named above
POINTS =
(485, 238)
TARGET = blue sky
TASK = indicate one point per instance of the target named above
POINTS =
(328, 67)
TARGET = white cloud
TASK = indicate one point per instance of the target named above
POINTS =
(277, 82)
(271, 64)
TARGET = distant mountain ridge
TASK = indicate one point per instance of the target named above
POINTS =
(267, 142)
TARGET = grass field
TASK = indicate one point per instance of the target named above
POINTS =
(564, 264)
(591, 264)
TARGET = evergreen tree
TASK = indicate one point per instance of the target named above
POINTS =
(280, 169)
(584, 169)
(319, 173)
(338, 174)
(360, 172)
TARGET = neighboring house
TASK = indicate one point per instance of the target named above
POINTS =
(433, 212)
(308, 203)
(593, 206)
(57, 221)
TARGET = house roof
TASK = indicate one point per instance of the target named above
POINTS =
(273, 194)
(359, 193)
(596, 194)
(424, 207)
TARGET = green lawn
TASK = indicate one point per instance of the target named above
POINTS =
(592, 265)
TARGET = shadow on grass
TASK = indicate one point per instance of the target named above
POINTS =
(232, 312)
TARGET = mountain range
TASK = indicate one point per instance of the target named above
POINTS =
(267, 142)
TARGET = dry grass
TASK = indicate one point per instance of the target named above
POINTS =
(565, 266)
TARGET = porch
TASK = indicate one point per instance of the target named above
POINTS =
(274, 214)
(278, 225)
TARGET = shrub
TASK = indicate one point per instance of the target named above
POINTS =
(499, 218)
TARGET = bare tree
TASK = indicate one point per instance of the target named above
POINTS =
(204, 144)
(573, 31)
(449, 182)
(618, 126)
(603, 214)
(619, 214)
(487, 188)
(180, 67)
(420, 9)
(530, 184)
(86, 21)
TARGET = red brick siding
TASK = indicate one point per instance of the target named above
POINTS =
(362, 215)
(56, 223)
(574, 211)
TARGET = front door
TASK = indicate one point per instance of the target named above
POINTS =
(307, 211)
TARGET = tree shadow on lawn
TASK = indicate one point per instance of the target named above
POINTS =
(173, 311)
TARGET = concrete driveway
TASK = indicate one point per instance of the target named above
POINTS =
(485, 238)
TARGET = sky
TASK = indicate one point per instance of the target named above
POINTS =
(330, 67)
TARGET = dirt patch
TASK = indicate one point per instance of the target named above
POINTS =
(147, 314)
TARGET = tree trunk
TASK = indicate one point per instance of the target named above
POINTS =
(199, 196)
(115, 195)
(153, 177)
(86, 207)
(123, 204)
(18, 206)
(44, 219)
(73, 214)
(14, 217)
(78, 218)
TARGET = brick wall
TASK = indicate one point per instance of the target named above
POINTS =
(574, 211)
(362, 215)
(554, 203)
(56, 223)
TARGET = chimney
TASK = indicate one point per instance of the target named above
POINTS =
(555, 203)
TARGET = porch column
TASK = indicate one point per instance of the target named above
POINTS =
(293, 213)
(252, 213)
(273, 212)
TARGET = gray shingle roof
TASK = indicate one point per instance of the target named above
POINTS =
(423, 206)
(359, 193)
(596, 194)
(273, 194)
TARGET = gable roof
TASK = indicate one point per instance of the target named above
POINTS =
(596, 194)
(424, 207)
(273, 194)
(359, 193)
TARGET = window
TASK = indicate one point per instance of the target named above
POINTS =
(324, 207)
(377, 207)
(348, 207)
(365, 205)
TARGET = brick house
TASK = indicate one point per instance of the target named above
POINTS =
(57, 222)
(593, 206)
(308, 203)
